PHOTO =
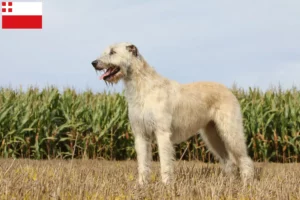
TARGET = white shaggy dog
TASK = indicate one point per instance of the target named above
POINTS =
(173, 112)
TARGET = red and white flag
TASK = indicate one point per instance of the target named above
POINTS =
(22, 15)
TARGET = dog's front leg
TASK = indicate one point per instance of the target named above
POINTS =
(144, 155)
(166, 154)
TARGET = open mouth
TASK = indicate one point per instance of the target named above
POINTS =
(110, 73)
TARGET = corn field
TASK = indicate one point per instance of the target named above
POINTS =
(46, 123)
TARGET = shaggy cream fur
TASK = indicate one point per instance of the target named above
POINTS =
(172, 112)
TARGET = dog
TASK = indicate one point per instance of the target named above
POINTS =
(170, 112)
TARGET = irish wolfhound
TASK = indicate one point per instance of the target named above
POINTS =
(173, 112)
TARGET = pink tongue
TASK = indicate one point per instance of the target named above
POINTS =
(105, 74)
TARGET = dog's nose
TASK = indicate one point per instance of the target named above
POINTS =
(94, 63)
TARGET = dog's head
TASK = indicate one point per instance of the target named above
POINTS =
(116, 61)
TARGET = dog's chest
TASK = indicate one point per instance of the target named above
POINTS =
(149, 112)
(142, 119)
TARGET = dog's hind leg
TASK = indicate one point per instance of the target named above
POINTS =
(230, 129)
(215, 145)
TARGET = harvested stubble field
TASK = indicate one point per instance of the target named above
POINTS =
(95, 179)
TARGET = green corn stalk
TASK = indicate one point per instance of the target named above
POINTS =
(46, 123)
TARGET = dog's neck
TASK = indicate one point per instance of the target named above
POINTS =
(141, 79)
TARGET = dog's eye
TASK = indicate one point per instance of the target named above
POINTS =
(112, 52)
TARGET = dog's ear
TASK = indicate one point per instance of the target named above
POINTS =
(132, 48)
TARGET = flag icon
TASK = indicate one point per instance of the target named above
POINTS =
(22, 15)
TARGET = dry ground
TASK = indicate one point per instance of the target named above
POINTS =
(94, 179)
